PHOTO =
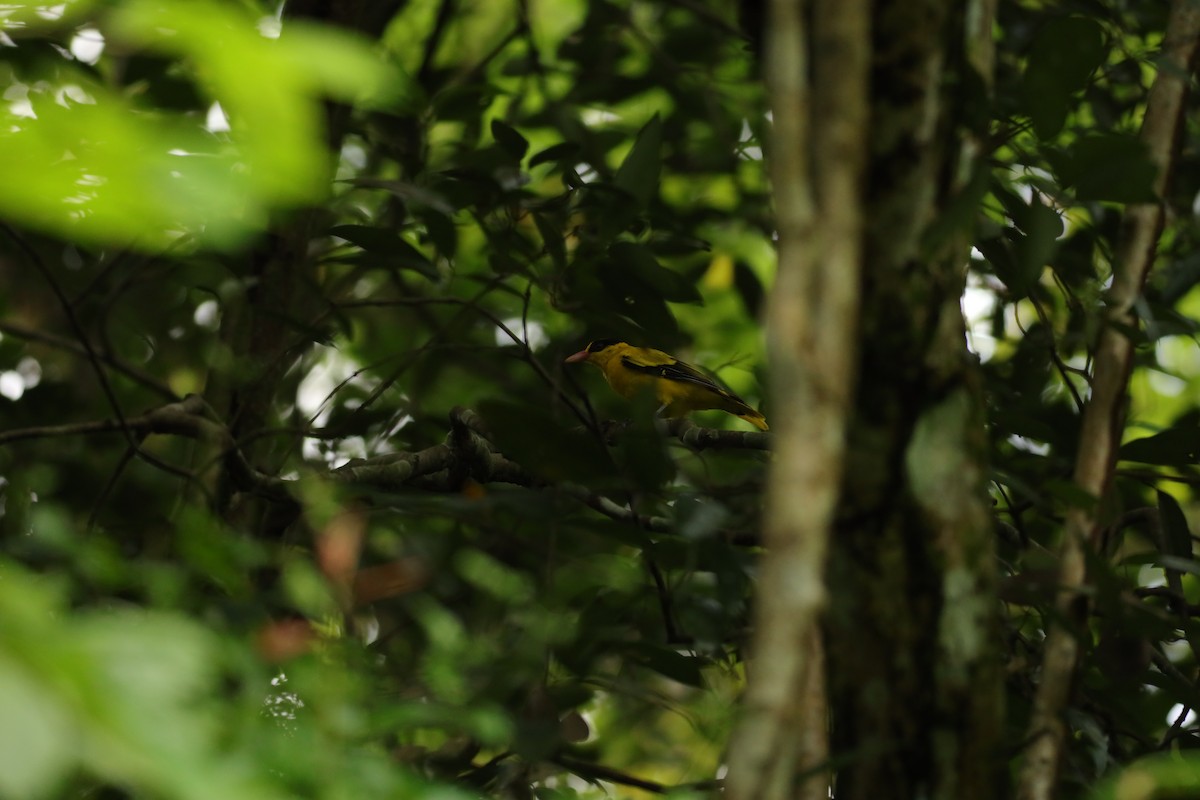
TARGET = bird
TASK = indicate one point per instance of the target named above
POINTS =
(680, 387)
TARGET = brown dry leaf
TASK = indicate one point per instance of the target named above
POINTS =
(338, 547)
(379, 582)
(284, 639)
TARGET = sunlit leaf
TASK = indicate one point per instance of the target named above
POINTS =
(22, 15)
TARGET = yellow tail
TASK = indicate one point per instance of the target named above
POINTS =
(756, 419)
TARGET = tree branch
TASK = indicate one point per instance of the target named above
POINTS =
(186, 418)
(698, 438)
(466, 454)
(1103, 417)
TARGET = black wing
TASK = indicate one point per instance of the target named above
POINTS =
(677, 371)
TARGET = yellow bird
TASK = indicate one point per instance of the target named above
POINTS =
(680, 387)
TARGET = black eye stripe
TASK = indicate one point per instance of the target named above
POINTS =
(600, 344)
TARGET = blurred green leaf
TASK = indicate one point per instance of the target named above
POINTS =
(1157, 776)
(307, 590)
(100, 169)
(498, 580)
(23, 15)
(37, 740)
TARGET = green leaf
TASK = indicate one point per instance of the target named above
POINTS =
(37, 737)
(999, 254)
(502, 582)
(699, 517)
(749, 288)
(32, 14)
(1172, 447)
(343, 64)
(374, 240)
(1173, 774)
(1177, 538)
(544, 447)
(1114, 167)
(507, 137)
(635, 262)
(1179, 564)
(563, 151)
(307, 590)
(410, 193)
(392, 250)
(441, 230)
(159, 657)
(1179, 277)
(638, 174)
(1041, 226)
(642, 304)
(1069, 493)
(552, 239)
(641, 452)
(668, 662)
(108, 170)
(1065, 53)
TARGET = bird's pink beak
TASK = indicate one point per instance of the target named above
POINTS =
(580, 356)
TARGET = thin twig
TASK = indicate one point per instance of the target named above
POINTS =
(145, 379)
(36, 259)
(1059, 364)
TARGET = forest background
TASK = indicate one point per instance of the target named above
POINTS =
(299, 499)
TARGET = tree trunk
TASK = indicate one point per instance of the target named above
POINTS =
(913, 627)
(911, 634)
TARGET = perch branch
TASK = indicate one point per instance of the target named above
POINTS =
(466, 454)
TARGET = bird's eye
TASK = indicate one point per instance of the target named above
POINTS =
(600, 344)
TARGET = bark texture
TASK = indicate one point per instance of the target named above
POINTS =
(866, 157)
(912, 629)
(818, 153)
